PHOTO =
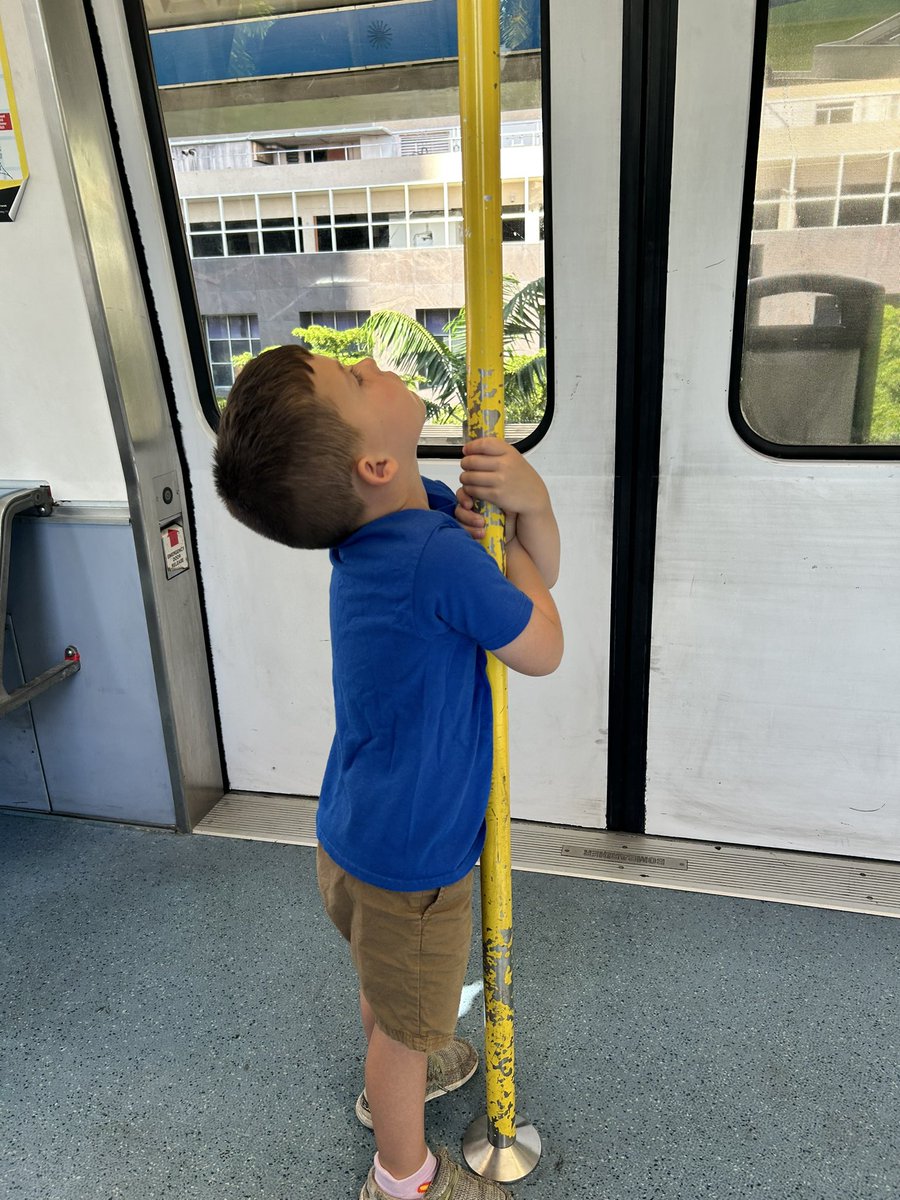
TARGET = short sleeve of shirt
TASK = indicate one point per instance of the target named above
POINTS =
(459, 586)
(440, 497)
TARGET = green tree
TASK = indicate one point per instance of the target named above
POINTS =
(886, 408)
(440, 365)
(431, 364)
(348, 346)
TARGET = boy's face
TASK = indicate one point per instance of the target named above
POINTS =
(377, 403)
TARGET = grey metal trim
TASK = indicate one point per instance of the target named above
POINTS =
(97, 512)
(87, 512)
(106, 513)
(19, 500)
(787, 877)
(261, 817)
(89, 178)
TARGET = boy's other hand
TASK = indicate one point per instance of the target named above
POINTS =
(473, 522)
(493, 470)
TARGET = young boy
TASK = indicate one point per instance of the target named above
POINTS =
(313, 454)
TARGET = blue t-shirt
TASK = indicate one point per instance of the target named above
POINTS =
(413, 600)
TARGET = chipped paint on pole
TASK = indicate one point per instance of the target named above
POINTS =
(496, 930)
(486, 419)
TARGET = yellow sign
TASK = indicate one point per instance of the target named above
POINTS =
(13, 164)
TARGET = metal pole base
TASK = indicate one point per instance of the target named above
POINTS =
(504, 1164)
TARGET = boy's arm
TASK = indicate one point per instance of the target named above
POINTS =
(538, 648)
(495, 471)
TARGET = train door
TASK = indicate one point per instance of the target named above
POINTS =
(775, 653)
(316, 179)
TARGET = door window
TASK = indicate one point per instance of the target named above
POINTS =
(316, 159)
(820, 360)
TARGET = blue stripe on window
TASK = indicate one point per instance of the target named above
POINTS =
(331, 41)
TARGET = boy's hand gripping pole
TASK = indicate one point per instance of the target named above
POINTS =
(499, 1145)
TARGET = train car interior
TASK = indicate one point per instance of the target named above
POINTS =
(699, 220)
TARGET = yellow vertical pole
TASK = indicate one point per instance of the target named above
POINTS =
(498, 1146)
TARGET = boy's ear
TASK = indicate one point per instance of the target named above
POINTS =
(376, 470)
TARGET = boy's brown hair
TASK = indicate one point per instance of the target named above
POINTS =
(284, 459)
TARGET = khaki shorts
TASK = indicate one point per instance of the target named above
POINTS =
(410, 951)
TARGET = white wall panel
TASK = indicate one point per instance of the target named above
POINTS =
(774, 702)
(54, 418)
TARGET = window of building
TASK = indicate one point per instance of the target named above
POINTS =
(349, 231)
(316, 154)
(275, 223)
(381, 228)
(820, 193)
(206, 239)
(426, 228)
(278, 226)
(236, 226)
(350, 319)
(203, 219)
(513, 223)
(226, 337)
(834, 114)
(821, 323)
(437, 320)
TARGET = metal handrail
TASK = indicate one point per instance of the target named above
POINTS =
(39, 502)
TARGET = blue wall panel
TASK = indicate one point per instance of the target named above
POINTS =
(99, 733)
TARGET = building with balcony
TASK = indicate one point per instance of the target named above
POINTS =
(294, 227)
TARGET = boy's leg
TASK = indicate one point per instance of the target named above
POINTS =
(448, 1068)
(395, 1086)
(410, 951)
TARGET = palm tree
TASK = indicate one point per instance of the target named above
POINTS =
(440, 364)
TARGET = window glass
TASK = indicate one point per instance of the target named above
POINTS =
(332, 191)
(334, 320)
(821, 354)
(437, 321)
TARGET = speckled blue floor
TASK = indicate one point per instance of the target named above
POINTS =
(177, 1020)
